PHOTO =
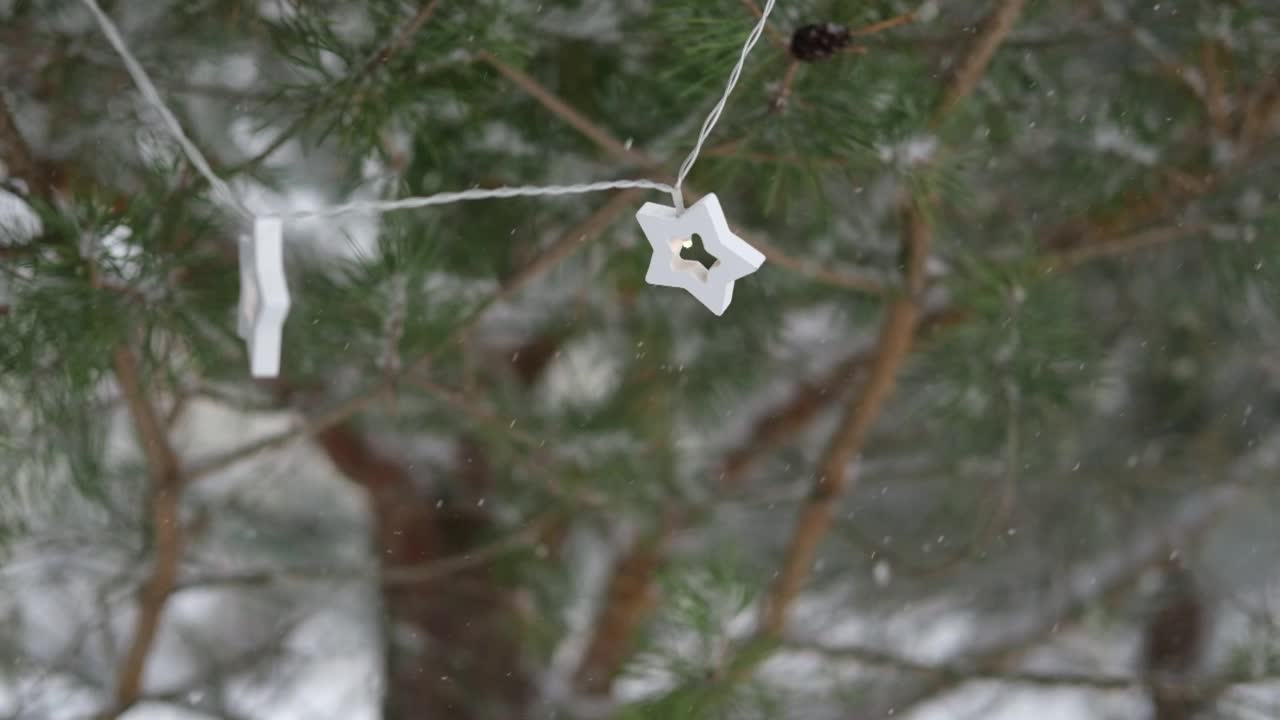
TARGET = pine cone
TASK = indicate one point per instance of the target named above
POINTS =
(812, 43)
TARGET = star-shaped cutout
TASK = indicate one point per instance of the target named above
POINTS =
(669, 230)
(264, 295)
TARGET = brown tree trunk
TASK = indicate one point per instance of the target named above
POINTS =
(452, 650)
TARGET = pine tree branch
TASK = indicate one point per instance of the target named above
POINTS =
(1067, 258)
(886, 24)
(1095, 234)
(1166, 61)
(845, 279)
(402, 38)
(473, 410)
(601, 137)
(551, 467)
(164, 469)
(1215, 94)
(1108, 575)
(788, 419)
(971, 68)
(617, 149)
(633, 577)
(377, 60)
(1260, 111)
(783, 95)
(559, 251)
(896, 337)
(481, 556)
(960, 673)
(166, 483)
(895, 341)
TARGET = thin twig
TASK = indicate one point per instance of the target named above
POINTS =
(402, 38)
(560, 250)
(1166, 61)
(787, 419)
(553, 468)
(1123, 245)
(390, 576)
(473, 410)
(524, 538)
(1215, 94)
(784, 89)
(616, 148)
(776, 38)
(969, 71)
(881, 26)
(166, 481)
(379, 58)
(732, 149)
(310, 427)
(182, 398)
(393, 328)
(842, 278)
(1260, 111)
(956, 671)
(561, 109)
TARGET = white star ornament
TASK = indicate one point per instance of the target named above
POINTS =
(264, 295)
(668, 230)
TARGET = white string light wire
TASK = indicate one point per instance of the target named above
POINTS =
(714, 117)
(445, 198)
(223, 191)
(149, 93)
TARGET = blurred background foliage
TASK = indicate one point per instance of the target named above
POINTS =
(501, 476)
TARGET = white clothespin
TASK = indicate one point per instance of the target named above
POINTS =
(668, 230)
(264, 295)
